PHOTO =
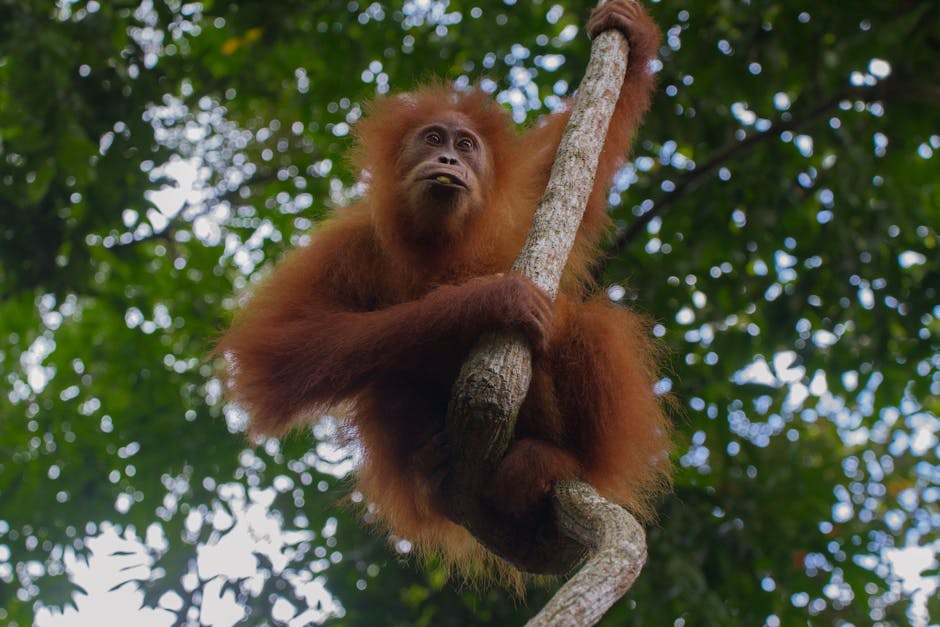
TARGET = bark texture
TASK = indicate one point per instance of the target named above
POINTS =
(617, 545)
(494, 380)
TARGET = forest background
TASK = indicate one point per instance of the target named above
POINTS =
(778, 220)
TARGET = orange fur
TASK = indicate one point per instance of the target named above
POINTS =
(369, 316)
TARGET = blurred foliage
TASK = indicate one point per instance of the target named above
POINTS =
(779, 220)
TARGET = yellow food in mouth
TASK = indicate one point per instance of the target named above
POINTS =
(443, 179)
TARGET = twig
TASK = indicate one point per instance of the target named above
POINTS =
(687, 181)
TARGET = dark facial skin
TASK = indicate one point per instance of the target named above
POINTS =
(444, 165)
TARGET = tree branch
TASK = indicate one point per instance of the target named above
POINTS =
(618, 545)
(494, 380)
(691, 179)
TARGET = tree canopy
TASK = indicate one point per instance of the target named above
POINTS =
(778, 219)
